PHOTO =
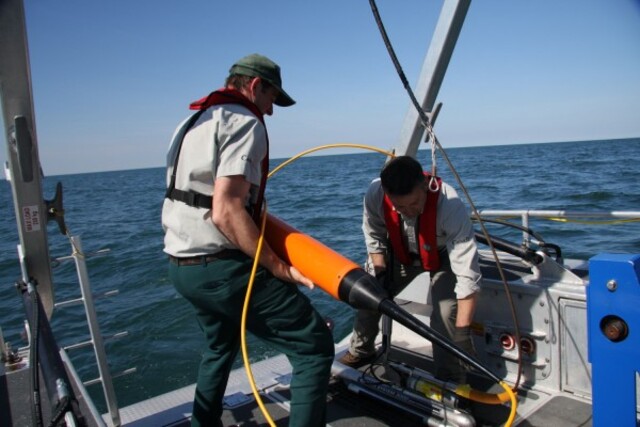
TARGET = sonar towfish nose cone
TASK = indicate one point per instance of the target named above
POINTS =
(340, 277)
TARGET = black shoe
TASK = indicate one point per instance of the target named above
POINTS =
(356, 362)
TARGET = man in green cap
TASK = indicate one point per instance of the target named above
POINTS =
(216, 176)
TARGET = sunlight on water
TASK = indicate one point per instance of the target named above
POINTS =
(321, 196)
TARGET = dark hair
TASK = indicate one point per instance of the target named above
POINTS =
(401, 175)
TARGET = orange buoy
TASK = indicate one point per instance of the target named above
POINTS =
(325, 267)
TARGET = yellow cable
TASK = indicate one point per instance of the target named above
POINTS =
(514, 403)
(464, 391)
(323, 147)
(599, 222)
(579, 221)
(256, 261)
(243, 322)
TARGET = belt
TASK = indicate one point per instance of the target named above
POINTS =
(204, 259)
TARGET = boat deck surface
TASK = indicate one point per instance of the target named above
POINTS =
(355, 397)
(346, 407)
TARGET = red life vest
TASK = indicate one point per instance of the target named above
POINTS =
(232, 96)
(426, 230)
(195, 199)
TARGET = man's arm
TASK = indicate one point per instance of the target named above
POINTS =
(378, 262)
(231, 217)
(463, 255)
(466, 308)
(374, 229)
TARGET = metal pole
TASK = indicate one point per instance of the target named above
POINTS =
(434, 68)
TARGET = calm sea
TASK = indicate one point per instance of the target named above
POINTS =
(320, 195)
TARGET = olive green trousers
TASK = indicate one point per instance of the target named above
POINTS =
(279, 314)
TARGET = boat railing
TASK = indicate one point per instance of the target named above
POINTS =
(557, 215)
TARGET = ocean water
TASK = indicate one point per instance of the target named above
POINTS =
(320, 195)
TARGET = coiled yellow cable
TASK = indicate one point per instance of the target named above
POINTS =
(491, 399)
(514, 403)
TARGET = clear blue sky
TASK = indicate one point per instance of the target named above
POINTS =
(112, 79)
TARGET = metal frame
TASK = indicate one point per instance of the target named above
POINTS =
(23, 163)
(434, 68)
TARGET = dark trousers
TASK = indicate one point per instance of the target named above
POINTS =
(366, 325)
(279, 314)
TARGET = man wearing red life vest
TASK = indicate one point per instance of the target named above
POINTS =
(216, 176)
(413, 223)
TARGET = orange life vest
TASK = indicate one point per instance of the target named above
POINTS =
(426, 231)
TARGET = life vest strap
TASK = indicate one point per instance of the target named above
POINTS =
(172, 193)
(191, 198)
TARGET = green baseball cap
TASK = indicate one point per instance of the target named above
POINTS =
(256, 65)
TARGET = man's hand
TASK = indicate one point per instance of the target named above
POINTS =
(462, 338)
(289, 273)
(297, 277)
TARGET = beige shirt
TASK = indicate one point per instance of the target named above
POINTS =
(454, 232)
(226, 140)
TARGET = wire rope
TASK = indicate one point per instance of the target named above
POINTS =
(463, 390)
(434, 140)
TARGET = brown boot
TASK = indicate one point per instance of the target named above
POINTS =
(356, 362)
